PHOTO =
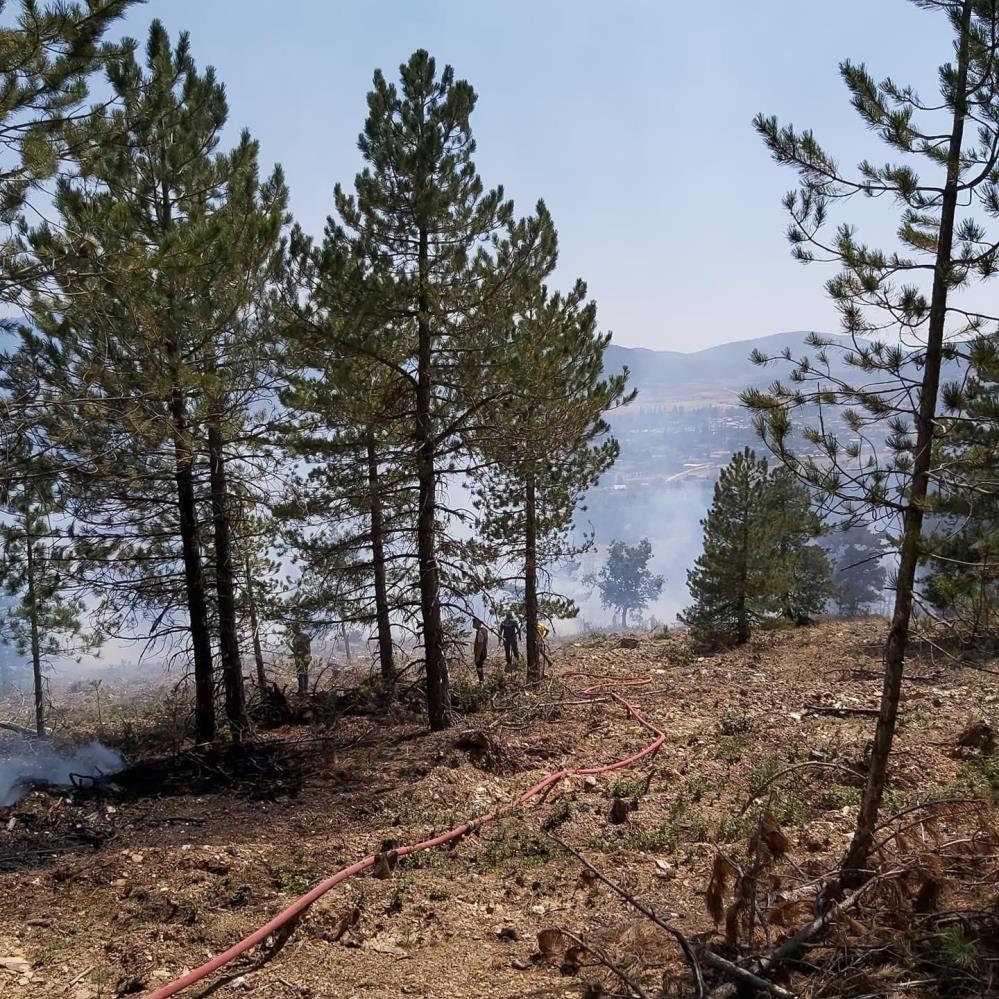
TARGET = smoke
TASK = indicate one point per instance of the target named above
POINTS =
(669, 516)
(34, 763)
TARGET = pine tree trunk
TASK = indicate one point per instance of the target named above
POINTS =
(346, 641)
(438, 692)
(382, 619)
(258, 653)
(225, 588)
(624, 618)
(863, 837)
(36, 650)
(194, 577)
(742, 612)
(534, 669)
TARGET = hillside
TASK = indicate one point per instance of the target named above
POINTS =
(717, 374)
(117, 895)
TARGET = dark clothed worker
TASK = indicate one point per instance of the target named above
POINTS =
(510, 633)
(480, 647)
(301, 651)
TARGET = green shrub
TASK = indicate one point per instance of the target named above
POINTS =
(840, 795)
(734, 722)
(471, 697)
(661, 839)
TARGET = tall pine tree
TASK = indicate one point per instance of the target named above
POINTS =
(354, 500)
(942, 246)
(164, 243)
(423, 274)
(544, 442)
(44, 620)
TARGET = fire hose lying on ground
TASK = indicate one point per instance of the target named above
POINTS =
(283, 919)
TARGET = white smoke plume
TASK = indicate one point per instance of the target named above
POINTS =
(33, 762)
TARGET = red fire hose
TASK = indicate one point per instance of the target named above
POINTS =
(301, 904)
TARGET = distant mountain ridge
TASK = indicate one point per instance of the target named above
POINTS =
(714, 375)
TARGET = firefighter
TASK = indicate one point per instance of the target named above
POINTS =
(510, 632)
(480, 647)
(301, 651)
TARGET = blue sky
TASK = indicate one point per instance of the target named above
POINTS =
(630, 118)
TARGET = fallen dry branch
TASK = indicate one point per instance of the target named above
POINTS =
(790, 949)
(19, 730)
(743, 976)
(688, 951)
(931, 803)
(794, 945)
(611, 966)
(840, 712)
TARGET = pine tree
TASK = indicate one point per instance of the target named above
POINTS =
(886, 465)
(962, 582)
(46, 57)
(37, 565)
(13, 674)
(803, 574)
(735, 581)
(759, 559)
(544, 442)
(422, 275)
(256, 556)
(859, 575)
(164, 245)
(626, 583)
(810, 585)
(354, 501)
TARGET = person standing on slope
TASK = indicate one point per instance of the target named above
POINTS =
(480, 648)
(510, 633)
(301, 651)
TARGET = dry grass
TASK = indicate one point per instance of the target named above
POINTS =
(177, 877)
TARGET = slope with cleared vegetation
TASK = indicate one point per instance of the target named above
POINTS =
(726, 833)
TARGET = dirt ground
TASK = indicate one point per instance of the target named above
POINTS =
(118, 893)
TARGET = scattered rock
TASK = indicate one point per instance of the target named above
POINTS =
(519, 964)
(620, 807)
(628, 643)
(215, 865)
(383, 944)
(664, 870)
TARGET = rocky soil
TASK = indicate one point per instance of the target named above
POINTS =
(117, 891)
